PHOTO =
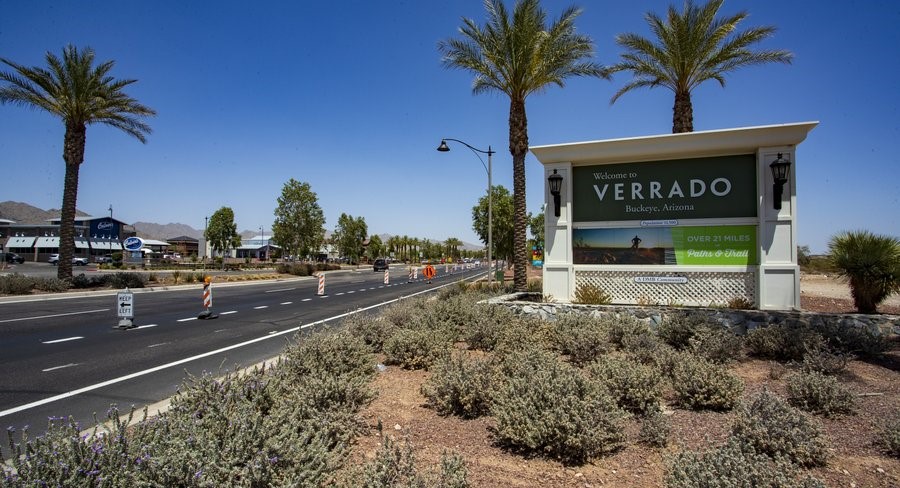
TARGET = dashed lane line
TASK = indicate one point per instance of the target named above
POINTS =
(67, 339)
(59, 367)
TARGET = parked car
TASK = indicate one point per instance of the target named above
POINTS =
(380, 265)
(14, 258)
(54, 260)
(103, 259)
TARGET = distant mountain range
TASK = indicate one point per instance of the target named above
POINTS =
(23, 213)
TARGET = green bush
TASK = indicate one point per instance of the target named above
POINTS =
(53, 285)
(546, 406)
(127, 280)
(889, 436)
(700, 384)
(404, 313)
(826, 362)
(655, 429)
(635, 387)
(678, 329)
(697, 333)
(98, 281)
(784, 342)
(870, 262)
(414, 348)
(460, 385)
(16, 284)
(817, 393)
(522, 334)
(581, 337)
(733, 465)
(486, 329)
(772, 427)
(591, 295)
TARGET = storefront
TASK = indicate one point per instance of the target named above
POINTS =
(687, 219)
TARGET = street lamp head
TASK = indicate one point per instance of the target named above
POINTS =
(443, 147)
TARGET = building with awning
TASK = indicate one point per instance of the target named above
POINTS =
(37, 241)
(20, 244)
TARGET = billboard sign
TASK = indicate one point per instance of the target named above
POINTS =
(698, 188)
(725, 245)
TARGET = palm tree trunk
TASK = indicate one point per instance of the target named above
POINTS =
(73, 154)
(518, 147)
(682, 113)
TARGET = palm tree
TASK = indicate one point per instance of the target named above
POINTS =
(518, 56)
(80, 94)
(453, 244)
(691, 48)
(870, 262)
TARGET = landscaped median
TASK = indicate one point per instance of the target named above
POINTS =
(450, 391)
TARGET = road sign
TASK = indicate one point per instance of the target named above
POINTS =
(125, 302)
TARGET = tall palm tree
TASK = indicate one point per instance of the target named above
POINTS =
(690, 48)
(520, 55)
(80, 94)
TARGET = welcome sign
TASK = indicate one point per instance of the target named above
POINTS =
(699, 188)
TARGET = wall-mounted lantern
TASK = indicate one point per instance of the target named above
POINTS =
(555, 181)
(780, 169)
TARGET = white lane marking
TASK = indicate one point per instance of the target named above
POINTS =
(286, 303)
(143, 327)
(54, 315)
(260, 307)
(273, 332)
(382, 286)
(60, 367)
(306, 299)
(323, 296)
(351, 292)
(187, 319)
(220, 330)
(372, 288)
(160, 344)
(67, 339)
(280, 290)
(339, 294)
(363, 289)
(68, 394)
(228, 312)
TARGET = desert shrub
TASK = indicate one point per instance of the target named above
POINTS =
(404, 313)
(581, 337)
(127, 280)
(176, 275)
(772, 427)
(82, 281)
(486, 329)
(374, 331)
(648, 349)
(296, 269)
(622, 329)
(655, 429)
(826, 361)
(677, 329)
(452, 315)
(700, 384)
(855, 340)
(740, 303)
(16, 284)
(522, 334)
(545, 405)
(414, 348)
(784, 342)
(460, 385)
(696, 332)
(635, 387)
(394, 466)
(889, 436)
(64, 456)
(54, 285)
(733, 465)
(817, 393)
(591, 295)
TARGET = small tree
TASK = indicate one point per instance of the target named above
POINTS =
(376, 248)
(221, 233)
(299, 226)
(502, 221)
(349, 235)
(871, 263)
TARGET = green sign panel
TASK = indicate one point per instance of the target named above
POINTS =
(727, 245)
(699, 188)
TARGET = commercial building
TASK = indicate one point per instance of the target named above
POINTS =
(36, 242)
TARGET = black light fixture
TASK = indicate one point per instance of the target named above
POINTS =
(780, 169)
(555, 181)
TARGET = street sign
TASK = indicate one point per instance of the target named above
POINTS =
(125, 302)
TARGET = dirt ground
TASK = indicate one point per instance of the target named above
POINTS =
(855, 460)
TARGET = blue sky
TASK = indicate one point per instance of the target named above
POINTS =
(351, 97)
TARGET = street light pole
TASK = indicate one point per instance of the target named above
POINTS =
(445, 148)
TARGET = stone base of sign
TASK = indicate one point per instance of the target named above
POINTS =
(740, 321)
(125, 324)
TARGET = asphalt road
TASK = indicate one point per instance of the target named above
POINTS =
(63, 357)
